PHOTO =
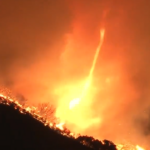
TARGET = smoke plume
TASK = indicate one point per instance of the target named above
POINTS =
(49, 44)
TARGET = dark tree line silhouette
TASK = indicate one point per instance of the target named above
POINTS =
(96, 144)
(20, 125)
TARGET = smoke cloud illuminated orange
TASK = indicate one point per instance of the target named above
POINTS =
(50, 52)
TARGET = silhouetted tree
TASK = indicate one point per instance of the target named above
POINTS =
(47, 111)
(96, 144)
(108, 145)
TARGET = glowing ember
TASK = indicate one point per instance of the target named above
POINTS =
(28, 109)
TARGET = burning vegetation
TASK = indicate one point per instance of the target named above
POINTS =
(82, 65)
(45, 114)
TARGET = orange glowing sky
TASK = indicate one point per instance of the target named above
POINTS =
(47, 52)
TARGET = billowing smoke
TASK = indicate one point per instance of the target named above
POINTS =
(31, 41)
(48, 44)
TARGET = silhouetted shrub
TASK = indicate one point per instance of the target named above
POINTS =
(96, 144)
(47, 111)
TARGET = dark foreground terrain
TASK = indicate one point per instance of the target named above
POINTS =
(22, 132)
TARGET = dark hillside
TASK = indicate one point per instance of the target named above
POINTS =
(21, 131)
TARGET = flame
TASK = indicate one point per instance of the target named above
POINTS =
(139, 148)
(60, 125)
(102, 32)
(75, 93)
(89, 80)
(128, 147)
(34, 112)
(74, 102)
